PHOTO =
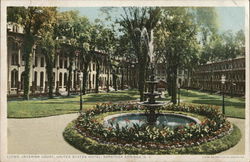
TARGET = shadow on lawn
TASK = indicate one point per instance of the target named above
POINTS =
(108, 97)
(57, 103)
(198, 95)
(219, 103)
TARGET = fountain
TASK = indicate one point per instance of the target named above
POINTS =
(151, 105)
(128, 131)
(152, 115)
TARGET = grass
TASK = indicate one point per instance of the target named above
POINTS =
(41, 107)
(234, 107)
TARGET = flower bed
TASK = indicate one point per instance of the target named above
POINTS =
(214, 127)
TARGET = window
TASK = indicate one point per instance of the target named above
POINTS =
(61, 63)
(54, 65)
(22, 81)
(36, 62)
(65, 64)
(54, 77)
(14, 59)
(89, 66)
(14, 46)
(23, 60)
(89, 78)
(60, 79)
(15, 28)
(41, 79)
(65, 80)
(93, 79)
(42, 61)
(93, 67)
(14, 78)
(35, 78)
(110, 81)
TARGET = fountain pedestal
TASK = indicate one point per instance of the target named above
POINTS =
(151, 105)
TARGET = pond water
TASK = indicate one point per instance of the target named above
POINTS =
(128, 120)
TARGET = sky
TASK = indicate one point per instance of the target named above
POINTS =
(230, 18)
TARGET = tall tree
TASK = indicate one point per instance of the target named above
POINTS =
(177, 42)
(206, 19)
(48, 49)
(48, 44)
(135, 21)
(70, 28)
(85, 56)
(32, 19)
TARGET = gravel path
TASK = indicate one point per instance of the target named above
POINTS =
(239, 148)
(44, 136)
(39, 135)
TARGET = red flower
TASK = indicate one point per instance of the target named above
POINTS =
(191, 124)
(180, 127)
(127, 120)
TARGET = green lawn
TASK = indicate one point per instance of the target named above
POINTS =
(41, 107)
(234, 107)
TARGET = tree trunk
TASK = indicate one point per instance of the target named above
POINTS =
(174, 86)
(127, 71)
(49, 70)
(122, 79)
(141, 82)
(169, 82)
(85, 78)
(211, 82)
(97, 77)
(115, 81)
(29, 44)
(108, 82)
(70, 75)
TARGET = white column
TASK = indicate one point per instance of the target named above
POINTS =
(72, 79)
(57, 66)
(31, 68)
(9, 69)
(62, 79)
(67, 61)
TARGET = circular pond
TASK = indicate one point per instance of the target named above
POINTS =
(165, 119)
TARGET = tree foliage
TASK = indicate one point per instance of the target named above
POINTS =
(177, 44)
(138, 23)
(33, 19)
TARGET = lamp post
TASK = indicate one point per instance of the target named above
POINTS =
(80, 77)
(223, 80)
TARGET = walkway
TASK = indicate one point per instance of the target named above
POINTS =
(39, 135)
(44, 136)
(239, 148)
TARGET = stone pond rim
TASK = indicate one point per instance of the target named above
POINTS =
(187, 118)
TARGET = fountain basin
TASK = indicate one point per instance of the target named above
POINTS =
(156, 104)
(152, 94)
(164, 119)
